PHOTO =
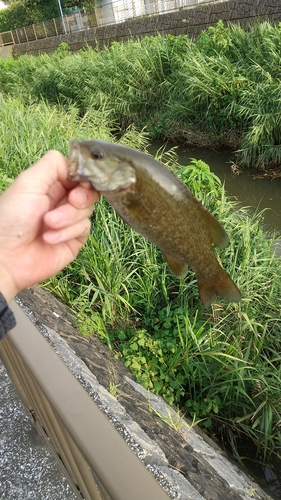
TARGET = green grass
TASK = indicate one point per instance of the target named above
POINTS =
(220, 366)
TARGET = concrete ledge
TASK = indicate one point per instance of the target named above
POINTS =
(189, 465)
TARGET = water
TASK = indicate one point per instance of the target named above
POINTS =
(257, 193)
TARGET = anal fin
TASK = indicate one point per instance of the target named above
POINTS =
(177, 267)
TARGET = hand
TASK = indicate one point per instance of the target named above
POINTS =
(44, 222)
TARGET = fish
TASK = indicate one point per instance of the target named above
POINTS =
(157, 204)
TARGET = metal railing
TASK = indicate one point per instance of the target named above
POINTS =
(97, 461)
(60, 26)
(114, 12)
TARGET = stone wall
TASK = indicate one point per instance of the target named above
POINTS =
(189, 21)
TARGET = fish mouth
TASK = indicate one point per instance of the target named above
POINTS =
(73, 176)
(106, 189)
(75, 172)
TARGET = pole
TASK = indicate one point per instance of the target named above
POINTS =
(62, 18)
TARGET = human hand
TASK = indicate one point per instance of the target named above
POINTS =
(44, 222)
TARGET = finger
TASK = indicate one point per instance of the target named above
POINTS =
(52, 167)
(79, 231)
(81, 197)
(66, 215)
(57, 195)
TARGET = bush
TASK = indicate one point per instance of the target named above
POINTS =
(221, 91)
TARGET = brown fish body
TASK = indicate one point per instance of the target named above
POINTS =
(154, 202)
(173, 225)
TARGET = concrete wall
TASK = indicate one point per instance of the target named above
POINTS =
(6, 51)
(190, 21)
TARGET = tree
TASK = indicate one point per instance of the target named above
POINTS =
(26, 12)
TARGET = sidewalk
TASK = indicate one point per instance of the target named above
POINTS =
(28, 468)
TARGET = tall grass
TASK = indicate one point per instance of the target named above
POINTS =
(28, 131)
(222, 90)
(221, 366)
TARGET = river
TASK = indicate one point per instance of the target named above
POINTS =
(256, 193)
(245, 187)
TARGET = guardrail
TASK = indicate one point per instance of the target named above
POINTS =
(113, 13)
(97, 461)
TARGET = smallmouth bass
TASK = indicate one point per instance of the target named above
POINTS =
(154, 202)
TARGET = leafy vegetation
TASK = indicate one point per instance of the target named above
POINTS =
(222, 90)
(222, 366)
(24, 13)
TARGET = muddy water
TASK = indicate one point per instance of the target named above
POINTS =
(257, 193)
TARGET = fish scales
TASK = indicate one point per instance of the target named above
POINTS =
(153, 201)
(146, 207)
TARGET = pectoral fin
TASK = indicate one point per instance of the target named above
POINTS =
(177, 267)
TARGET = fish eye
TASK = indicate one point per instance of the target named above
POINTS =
(96, 155)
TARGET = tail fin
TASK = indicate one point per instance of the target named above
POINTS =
(221, 286)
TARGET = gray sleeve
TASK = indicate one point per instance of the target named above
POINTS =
(7, 319)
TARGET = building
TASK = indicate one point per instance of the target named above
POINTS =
(117, 11)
